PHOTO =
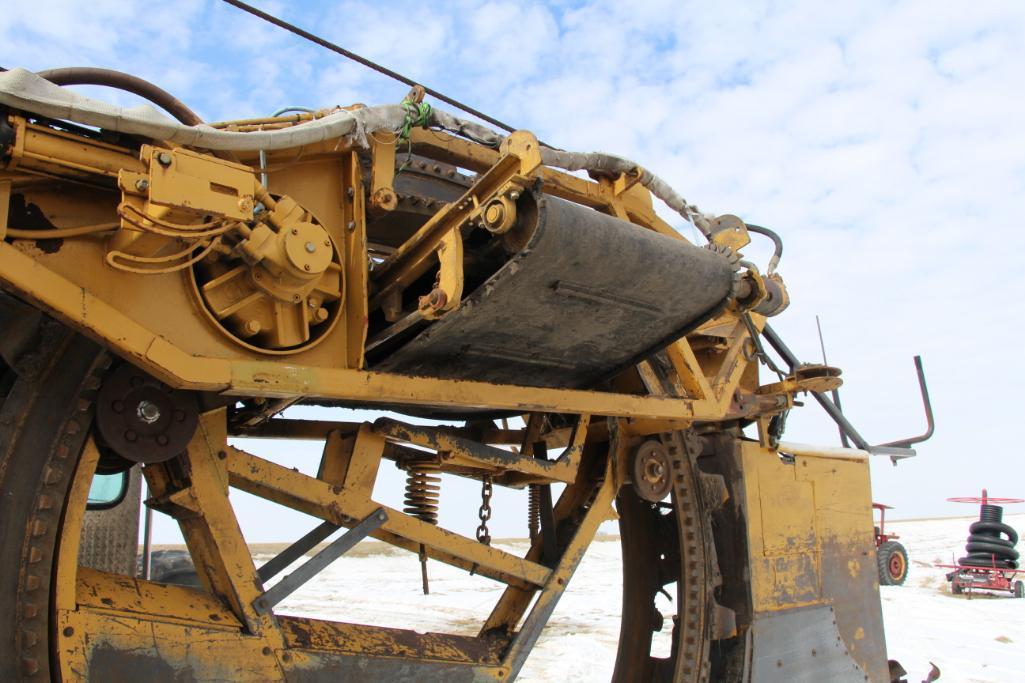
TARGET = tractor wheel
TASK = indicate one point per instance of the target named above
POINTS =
(893, 564)
(1019, 589)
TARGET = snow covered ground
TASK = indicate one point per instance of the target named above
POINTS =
(978, 640)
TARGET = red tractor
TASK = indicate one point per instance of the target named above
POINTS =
(891, 555)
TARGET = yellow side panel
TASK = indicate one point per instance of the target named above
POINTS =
(811, 544)
(796, 513)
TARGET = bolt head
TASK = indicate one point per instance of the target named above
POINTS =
(131, 437)
(141, 184)
(147, 412)
(164, 158)
(310, 247)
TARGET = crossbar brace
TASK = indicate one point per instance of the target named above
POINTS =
(319, 562)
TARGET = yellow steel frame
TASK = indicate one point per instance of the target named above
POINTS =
(711, 372)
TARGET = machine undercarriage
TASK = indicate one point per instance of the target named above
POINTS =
(169, 286)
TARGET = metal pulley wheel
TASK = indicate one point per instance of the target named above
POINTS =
(652, 471)
(142, 419)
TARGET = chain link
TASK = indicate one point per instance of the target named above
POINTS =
(483, 535)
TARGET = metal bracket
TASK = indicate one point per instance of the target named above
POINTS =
(316, 564)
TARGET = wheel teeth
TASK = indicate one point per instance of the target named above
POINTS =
(52, 475)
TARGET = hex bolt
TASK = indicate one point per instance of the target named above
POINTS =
(179, 416)
(327, 243)
(162, 439)
(131, 437)
(164, 158)
(306, 267)
(117, 406)
(148, 412)
(141, 184)
(68, 632)
(351, 226)
(310, 247)
(295, 231)
(351, 192)
(514, 195)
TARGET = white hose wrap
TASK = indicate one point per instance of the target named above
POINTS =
(24, 90)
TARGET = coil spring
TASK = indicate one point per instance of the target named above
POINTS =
(423, 489)
(985, 546)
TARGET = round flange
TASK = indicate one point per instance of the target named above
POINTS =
(142, 419)
(652, 471)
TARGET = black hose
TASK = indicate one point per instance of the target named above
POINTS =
(985, 546)
(776, 240)
(88, 75)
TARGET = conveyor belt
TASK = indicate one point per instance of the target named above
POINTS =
(587, 296)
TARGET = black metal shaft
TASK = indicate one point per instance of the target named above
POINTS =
(791, 359)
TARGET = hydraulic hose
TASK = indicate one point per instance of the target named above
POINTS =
(776, 240)
(88, 75)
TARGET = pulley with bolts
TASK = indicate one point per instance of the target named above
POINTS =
(143, 420)
(652, 468)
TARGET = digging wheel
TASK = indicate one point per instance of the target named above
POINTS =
(52, 440)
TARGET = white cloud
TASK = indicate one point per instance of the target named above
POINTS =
(882, 139)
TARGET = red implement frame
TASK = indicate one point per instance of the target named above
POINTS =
(969, 578)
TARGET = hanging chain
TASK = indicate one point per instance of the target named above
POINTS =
(483, 535)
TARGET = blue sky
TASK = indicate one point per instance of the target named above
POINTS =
(883, 140)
